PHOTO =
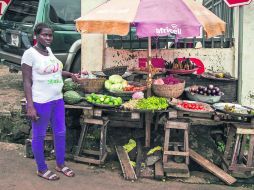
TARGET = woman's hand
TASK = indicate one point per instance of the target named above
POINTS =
(74, 77)
(84, 72)
(31, 113)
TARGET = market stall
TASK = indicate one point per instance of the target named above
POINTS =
(102, 95)
(117, 95)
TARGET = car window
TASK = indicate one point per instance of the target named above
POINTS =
(62, 11)
(21, 11)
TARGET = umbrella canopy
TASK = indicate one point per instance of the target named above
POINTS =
(181, 18)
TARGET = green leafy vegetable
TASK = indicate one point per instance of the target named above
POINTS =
(152, 103)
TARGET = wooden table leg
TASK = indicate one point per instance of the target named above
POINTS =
(250, 152)
(156, 124)
(81, 139)
(148, 120)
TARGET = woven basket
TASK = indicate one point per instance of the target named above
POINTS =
(169, 91)
(91, 85)
(115, 70)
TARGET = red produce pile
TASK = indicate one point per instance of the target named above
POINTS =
(171, 80)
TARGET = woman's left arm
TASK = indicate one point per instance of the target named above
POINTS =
(68, 74)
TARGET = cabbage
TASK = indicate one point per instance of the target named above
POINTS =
(108, 84)
(116, 87)
(115, 79)
(124, 83)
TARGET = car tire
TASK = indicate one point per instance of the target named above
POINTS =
(76, 65)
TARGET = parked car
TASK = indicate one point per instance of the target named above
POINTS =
(18, 22)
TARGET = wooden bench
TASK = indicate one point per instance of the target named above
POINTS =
(238, 154)
(172, 168)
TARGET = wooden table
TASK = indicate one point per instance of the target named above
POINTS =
(148, 116)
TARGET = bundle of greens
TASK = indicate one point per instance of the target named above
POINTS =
(152, 103)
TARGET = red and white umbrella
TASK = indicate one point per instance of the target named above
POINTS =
(180, 18)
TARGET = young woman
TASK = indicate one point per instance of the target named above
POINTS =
(42, 78)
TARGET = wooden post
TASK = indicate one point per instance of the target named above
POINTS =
(230, 139)
(81, 138)
(186, 145)
(139, 158)
(148, 120)
(250, 153)
(91, 43)
(157, 117)
(166, 143)
(236, 150)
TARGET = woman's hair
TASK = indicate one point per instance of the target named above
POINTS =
(38, 27)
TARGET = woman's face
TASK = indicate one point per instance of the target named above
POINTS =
(45, 38)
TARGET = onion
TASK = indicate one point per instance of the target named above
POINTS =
(210, 86)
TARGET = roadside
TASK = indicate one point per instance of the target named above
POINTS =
(18, 173)
(11, 90)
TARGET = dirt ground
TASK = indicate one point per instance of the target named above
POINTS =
(11, 90)
(19, 173)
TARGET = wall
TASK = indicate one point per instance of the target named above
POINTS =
(92, 44)
(214, 59)
(248, 56)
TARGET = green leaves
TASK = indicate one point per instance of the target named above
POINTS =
(152, 103)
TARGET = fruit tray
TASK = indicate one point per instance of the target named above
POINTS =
(212, 76)
(182, 71)
(100, 104)
(104, 105)
(241, 111)
(206, 107)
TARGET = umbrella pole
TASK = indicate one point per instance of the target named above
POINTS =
(149, 65)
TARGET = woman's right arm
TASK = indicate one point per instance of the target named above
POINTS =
(27, 81)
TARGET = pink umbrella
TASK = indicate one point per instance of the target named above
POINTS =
(179, 18)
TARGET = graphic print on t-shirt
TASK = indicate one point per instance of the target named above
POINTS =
(52, 66)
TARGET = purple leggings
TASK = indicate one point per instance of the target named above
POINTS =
(52, 112)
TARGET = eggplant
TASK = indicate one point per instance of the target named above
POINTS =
(192, 89)
(217, 89)
(201, 92)
(205, 89)
(200, 88)
(209, 92)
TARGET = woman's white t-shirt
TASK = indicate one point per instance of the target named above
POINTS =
(46, 75)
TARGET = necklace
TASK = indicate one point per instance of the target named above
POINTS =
(42, 50)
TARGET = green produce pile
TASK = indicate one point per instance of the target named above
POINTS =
(115, 83)
(152, 103)
(72, 97)
(69, 85)
(104, 99)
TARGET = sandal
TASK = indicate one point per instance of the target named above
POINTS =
(66, 171)
(49, 175)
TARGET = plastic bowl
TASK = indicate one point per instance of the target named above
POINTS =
(201, 98)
